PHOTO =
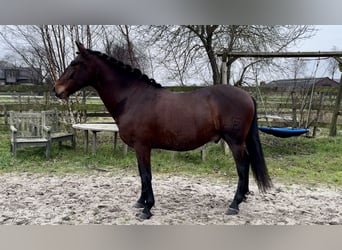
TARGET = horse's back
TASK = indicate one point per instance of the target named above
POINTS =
(228, 100)
(210, 106)
(183, 121)
(230, 94)
(207, 113)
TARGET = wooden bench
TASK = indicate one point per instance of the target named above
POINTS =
(27, 130)
(37, 129)
(58, 133)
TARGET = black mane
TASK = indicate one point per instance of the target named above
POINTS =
(125, 68)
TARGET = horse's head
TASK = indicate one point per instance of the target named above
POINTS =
(77, 75)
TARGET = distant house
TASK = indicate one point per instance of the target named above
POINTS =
(303, 83)
(20, 75)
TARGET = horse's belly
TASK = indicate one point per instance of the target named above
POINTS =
(184, 142)
(177, 147)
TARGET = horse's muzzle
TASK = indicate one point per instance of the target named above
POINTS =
(59, 94)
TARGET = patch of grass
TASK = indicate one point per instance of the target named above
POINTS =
(301, 159)
(294, 160)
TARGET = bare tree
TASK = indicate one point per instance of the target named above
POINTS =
(186, 50)
(125, 31)
(191, 42)
(177, 48)
(120, 42)
(51, 47)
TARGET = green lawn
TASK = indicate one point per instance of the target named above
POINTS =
(293, 160)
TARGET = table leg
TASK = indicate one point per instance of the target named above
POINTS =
(86, 140)
(94, 142)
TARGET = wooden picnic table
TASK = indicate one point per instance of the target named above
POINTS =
(94, 128)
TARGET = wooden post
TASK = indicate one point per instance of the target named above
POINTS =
(333, 130)
(224, 80)
(294, 110)
(5, 115)
(317, 114)
(84, 101)
(224, 70)
(46, 97)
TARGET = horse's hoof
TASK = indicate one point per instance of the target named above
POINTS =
(144, 216)
(232, 211)
(138, 205)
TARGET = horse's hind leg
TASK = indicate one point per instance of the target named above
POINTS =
(242, 164)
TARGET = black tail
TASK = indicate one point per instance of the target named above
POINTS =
(256, 155)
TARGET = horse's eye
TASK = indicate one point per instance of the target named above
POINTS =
(74, 63)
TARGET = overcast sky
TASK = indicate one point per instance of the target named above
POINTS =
(326, 37)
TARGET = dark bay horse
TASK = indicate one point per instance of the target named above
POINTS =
(149, 116)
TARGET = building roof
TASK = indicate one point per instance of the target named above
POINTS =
(303, 82)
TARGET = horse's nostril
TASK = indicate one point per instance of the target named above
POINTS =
(59, 92)
(60, 95)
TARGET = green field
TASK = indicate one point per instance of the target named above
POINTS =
(294, 160)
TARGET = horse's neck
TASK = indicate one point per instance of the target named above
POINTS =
(116, 96)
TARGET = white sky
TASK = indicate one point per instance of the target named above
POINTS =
(326, 37)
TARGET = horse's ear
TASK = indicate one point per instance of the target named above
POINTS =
(81, 48)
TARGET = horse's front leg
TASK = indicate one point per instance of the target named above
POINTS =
(146, 200)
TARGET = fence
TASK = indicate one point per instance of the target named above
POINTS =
(285, 106)
(297, 107)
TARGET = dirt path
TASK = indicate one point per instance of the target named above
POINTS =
(107, 199)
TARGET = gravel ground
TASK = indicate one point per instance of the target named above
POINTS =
(107, 198)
